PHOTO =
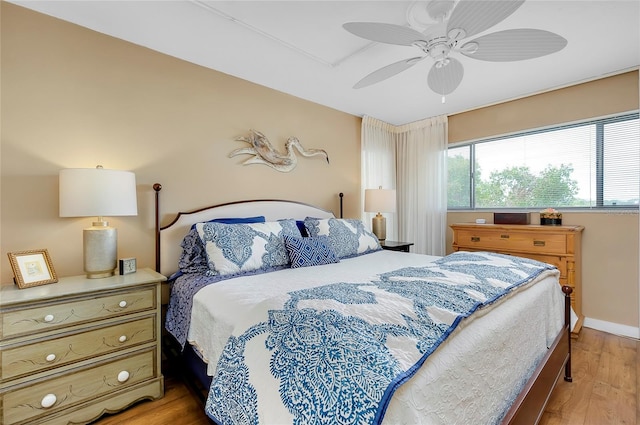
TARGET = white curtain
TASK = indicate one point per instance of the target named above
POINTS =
(411, 159)
(421, 180)
(378, 166)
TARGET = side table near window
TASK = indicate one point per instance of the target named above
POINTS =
(396, 245)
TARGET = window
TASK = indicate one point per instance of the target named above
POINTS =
(593, 164)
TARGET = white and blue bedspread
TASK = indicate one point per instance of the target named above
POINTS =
(336, 353)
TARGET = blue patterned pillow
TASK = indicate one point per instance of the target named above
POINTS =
(349, 237)
(194, 258)
(305, 252)
(238, 248)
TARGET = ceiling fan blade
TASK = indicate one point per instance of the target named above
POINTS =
(514, 45)
(387, 72)
(476, 16)
(384, 33)
(445, 79)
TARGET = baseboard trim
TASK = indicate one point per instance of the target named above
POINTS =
(612, 328)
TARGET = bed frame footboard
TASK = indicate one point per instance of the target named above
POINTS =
(532, 400)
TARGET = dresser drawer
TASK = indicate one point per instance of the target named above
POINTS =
(512, 241)
(33, 358)
(559, 262)
(26, 404)
(30, 320)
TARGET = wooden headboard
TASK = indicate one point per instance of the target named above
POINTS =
(169, 237)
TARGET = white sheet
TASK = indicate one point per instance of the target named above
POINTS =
(467, 380)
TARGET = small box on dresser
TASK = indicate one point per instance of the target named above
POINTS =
(74, 350)
(511, 218)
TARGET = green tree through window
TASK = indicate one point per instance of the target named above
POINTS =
(519, 187)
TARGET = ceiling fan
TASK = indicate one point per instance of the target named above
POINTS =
(452, 23)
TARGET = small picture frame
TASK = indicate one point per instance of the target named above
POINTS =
(32, 268)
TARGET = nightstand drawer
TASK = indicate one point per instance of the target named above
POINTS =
(28, 403)
(32, 358)
(54, 316)
(543, 243)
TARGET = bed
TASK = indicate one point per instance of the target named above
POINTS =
(346, 336)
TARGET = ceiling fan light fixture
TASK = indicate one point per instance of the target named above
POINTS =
(445, 79)
(439, 52)
(456, 35)
(442, 63)
(469, 48)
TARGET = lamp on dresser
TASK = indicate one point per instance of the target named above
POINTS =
(379, 200)
(97, 192)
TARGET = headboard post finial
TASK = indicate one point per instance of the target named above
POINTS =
(157, 187)
(341, 196)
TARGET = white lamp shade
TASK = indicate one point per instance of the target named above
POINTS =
(86, 192)
(380, 200)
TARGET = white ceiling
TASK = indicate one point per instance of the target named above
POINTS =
(300, 48)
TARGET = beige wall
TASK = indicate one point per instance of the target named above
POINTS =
(75, 98)
(598, 98)
(610, 240)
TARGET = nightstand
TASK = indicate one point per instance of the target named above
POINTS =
(396, 246)
(73, 350)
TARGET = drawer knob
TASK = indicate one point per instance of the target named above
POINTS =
(122, 304)
(475, 238)
(48, 318)
(50, 357)
(48, 401)
(123, 376)
(538, 243)
(122, 338)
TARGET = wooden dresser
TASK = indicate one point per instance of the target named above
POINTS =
(557, 245)
(73, 350)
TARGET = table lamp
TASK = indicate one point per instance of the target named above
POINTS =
(379, 201)
(86, 192)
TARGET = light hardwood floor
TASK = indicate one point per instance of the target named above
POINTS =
(603, 392)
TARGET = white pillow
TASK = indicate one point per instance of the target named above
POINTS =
(238, 248)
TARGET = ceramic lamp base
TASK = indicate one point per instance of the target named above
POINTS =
(100, 250)
(379, 226)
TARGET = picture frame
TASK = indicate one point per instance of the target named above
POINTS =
(32, 268)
